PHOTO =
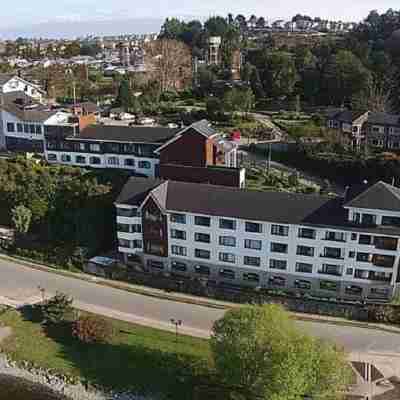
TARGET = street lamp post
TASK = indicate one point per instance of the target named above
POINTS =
(177, 323)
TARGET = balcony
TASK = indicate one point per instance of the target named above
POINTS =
(334, 270)
(335, 254)
(373, 276)
(383, 261)
(383, 243)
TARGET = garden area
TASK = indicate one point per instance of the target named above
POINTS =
(247, 356)
(276, 180)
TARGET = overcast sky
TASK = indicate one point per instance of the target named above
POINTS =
(22, 12)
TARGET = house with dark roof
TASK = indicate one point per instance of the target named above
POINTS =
(345, 248)
(377, 129)
(196, 153)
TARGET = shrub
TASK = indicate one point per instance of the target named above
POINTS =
(57, 309)
(92, 329)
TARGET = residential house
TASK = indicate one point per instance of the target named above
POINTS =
(377, 129)
(330, 247)
(13, 83)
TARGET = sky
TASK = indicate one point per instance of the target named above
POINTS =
(26, 13)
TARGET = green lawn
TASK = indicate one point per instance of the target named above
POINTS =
(143, 359)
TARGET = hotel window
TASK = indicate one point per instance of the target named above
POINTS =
(391, 221)
(329, 269)
(335, 236)
(349, 271)
(177, 234)
(32, 129)
(178, 250)
(52, 157)
(357, 218)
(306, 233)
(253, 227)
(155, 264)
(305, 251)
(200, 253)
(251, 277)
(113, 161)
(304, 285)
(229, 241)
(202, 237)
(363, 257)
(227, 257)
(277, 281)
(81, 146)
(202, 221)
(329, 285)
(202, 270)
(368, 219)
(123, 228)
(65, 158)
(279, 248)
(38, 129)
(178, 266)
(304, 268)
(95, 160)
(129, 162)
(227, 224)
(26, 128)
(252, 244)
(365, 239)
(144, 164)
(10, 127)
(136, 228)
(279, 230)
(137, 244)
(178, 218)
(94, 147)
(227, 273)
(20, 128)
(278, 264)
(252, 261)
(124, 243)
(80, 159)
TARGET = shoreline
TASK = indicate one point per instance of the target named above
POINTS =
(59, 385)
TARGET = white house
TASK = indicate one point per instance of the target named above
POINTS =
(12, 83)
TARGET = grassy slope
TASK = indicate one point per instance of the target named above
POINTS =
(144, 359)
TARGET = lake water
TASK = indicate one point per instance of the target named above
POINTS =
(18, 389)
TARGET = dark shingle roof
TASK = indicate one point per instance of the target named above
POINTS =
(348, 116)
(37, 112)
(278, 207)
(136, 190)
(380, 196)
(380, 118)
(127, 134)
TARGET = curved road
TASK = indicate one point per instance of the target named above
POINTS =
(20, 283)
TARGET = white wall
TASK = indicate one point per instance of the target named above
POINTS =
(19, 85)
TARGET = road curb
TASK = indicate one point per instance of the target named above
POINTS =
(158, 294)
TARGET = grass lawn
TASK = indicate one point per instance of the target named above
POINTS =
(143, 359)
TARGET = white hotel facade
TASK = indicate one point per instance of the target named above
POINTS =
(313, 244)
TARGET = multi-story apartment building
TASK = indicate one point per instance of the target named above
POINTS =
(377, 129)
(195, 153)
(331, 247)
(24, 120)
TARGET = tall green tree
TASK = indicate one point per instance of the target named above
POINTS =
(124, 98)
(260, 354)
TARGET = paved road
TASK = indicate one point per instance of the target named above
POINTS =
(19, 283)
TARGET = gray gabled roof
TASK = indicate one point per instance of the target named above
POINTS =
(136, 190)
(138, 134)
(381, 118)
(204, 127)
(380, 196)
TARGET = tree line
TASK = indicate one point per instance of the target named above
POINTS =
(360, 69)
